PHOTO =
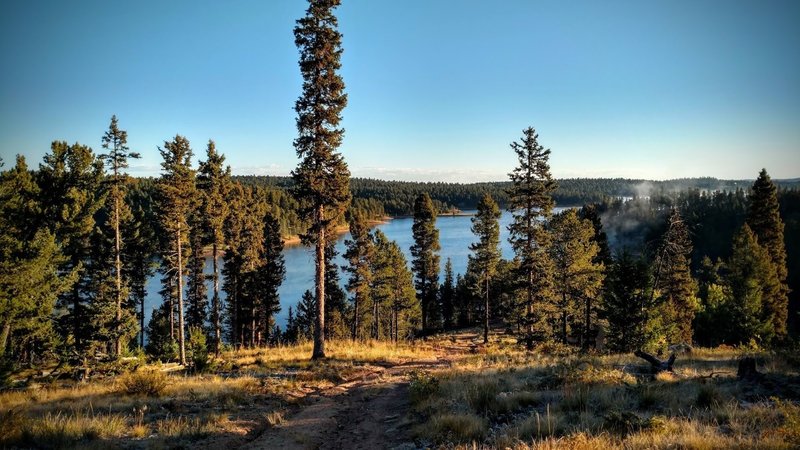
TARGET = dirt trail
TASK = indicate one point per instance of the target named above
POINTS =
(366, 413)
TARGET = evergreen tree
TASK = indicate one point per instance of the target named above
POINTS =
(752, 280)
(139, 250)
(196, 290)
(447, 292)
(30, 280)
(425, 263)
(214, 184)
(765, 221)
(176, 192)
(393, 290)
(486, 252)
(626, 304)
(269, 274)
(321, 178)
(70, 197)
(336, 310)
(677, 304)
(578, 278)
(161, 343)
(359, 256)
(305, 321)
(115, 141)
(590, 213)
(530, 201)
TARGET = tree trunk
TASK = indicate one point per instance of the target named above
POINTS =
(655, 363)
(587, 324)
(118, 264)
(564, 322)
(319, 328)
(355, 317)
(4, 334)
(141, 318)
(376, 326)
(486, 314)
(181, 342)
(215, 301)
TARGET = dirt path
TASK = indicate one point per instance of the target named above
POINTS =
(366, 413)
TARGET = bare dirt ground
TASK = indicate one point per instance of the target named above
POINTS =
(370, 412)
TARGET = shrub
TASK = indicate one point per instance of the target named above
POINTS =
(144, 382)
(198, 350)
(708, 396)
(422, 385)
(458, 427)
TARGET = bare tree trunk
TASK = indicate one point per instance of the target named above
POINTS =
(588, 324)
(215, 301)
(118, 264)
(181, 342)
(141, 319)
(319, 328)
(375, 333)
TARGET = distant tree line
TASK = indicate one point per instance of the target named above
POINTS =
(397, 198)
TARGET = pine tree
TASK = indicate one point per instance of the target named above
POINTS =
(30, 280)
(486, 252)
(321, 178)
(359, 256)
(139, 250)
(176, 192)
(214, 184)
(196, 290)
(447, 293)
(677, 304)
(336, 308)
(626, 303)
(425, 263)
(578, 278)
(306, 316)
(70, 196)
(115, 142)
(752, 280)
(269, 275)
(393, 289)
(530, 201)
(765, 221)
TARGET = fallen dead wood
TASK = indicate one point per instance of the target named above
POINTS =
(657, 364)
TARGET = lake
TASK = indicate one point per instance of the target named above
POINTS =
(455, 238)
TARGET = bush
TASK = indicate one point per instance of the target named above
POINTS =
(144, 382)
(422, 385)
(198, 350)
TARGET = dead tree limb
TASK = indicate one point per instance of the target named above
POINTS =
(657, 364)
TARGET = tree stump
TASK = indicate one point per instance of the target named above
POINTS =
(747, 369)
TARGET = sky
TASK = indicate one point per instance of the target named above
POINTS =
(437, 89)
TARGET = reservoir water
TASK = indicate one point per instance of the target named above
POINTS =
(455, 238)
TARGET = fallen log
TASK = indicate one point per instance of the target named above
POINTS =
(657, 364)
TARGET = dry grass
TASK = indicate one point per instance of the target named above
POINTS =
(536, 400)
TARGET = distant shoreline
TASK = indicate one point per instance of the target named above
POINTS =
(294, 240)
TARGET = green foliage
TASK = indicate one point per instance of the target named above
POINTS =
(197, 350)
(425, 260)
(422, 384)
(359, 254)
(486, 252)
(765, 221)
(676, 305)
(395, 301)
(626, 303)
(530, 200)
(578, 277)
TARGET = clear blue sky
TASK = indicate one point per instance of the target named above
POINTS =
(437, 89)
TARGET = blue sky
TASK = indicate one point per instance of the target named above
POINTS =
(437, 89)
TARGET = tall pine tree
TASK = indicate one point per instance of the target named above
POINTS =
(447, 292)
(530, 201)
(677, 304)
(359, 254)
(321, 179)
(214, 184)
(486, 252)
(176, 193)
(765, 221)
(425, 262)
(115, 141)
